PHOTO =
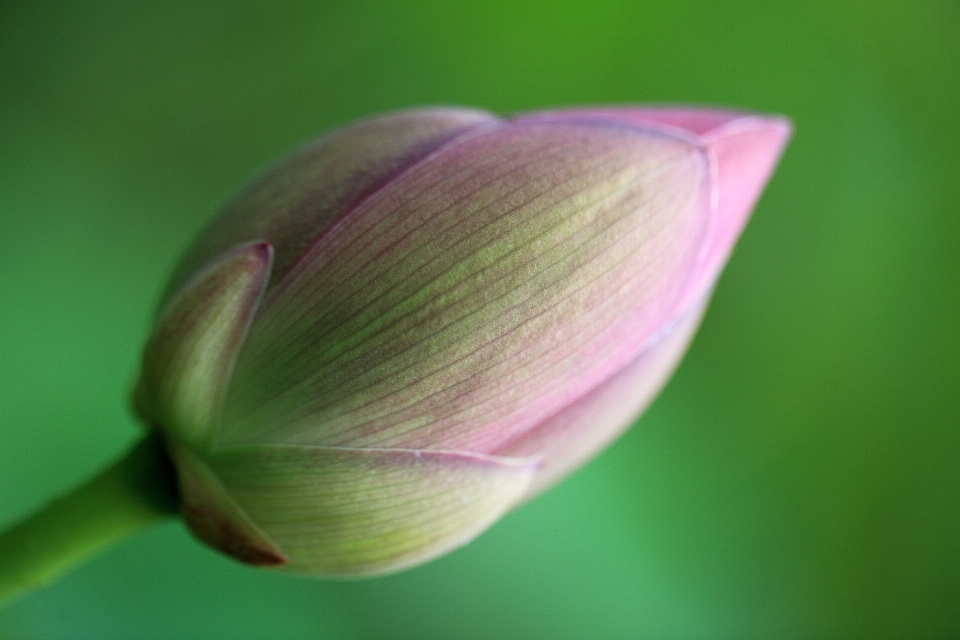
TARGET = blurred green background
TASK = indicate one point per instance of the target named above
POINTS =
(799, 477)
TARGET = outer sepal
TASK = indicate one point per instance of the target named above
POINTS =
(355, 512)
(214, 515)
(189, 358)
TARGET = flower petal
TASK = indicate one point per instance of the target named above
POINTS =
(744, 152)
(469, 300)
(214, 516)
(364, 512)
(576, 434)
(297, 198)
(190, 354)
(743, 149)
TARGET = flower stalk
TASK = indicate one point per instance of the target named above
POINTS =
(137, 491)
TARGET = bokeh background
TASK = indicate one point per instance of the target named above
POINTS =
(799, 477)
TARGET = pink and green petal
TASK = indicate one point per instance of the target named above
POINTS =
(190, 355)
(296, 199)
(580, 431)
(744, 152)
(355, 512)
(501, 279)
(214, 516)
(743, 149)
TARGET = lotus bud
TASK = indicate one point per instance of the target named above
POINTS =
(407, 327)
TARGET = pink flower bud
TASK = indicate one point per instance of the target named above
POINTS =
(406, 327)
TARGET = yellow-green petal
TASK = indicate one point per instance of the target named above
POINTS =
(189, 357)
(367, 511)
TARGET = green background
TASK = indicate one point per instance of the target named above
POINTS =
(799, 477)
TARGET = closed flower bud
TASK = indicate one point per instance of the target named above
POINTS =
(405, 328)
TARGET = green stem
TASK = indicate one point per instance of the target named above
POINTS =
(136, 491)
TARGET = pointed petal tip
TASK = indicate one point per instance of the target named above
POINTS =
(261, 249)
(761, 134)
(743, 150)
(253, 258)
(745, 147)
(753, 142)
(259, 256)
